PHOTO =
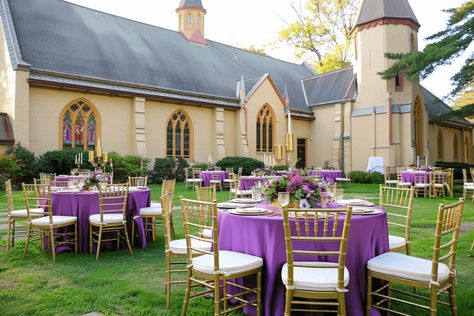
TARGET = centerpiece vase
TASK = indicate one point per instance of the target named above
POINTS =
(294, 204)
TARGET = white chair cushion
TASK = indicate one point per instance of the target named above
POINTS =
(439, 185)
(314, 279)
(108, 219)
(194, 180)
(422, 185)
(407, 267)
(242, 192)
(228, 180)
(155, 204)
(151, 211)
(206, 233)
(230, 262)
(57, 220)
(178, 246)
(215, 181)
(391, 181)
(396, 242)
(404, 184)
(343, 179)
(469, 185)
(35, 212)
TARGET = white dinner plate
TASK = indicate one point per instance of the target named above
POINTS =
(233, 205)
(244, 200)
(355, 202)
(253, 211)
(358, 210)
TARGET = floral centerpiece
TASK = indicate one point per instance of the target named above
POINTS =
(262, 172)
(303, 190)
(92, 181)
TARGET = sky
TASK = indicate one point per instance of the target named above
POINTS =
(244, 23)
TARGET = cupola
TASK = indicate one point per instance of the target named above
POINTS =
(191, 20)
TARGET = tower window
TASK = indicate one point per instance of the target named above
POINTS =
(198, 19)
(355, 47)
(412, 43)
(399, 82)
(190, 20)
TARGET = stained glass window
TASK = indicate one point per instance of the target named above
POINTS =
(265, 129)
(178, 135)
(79, 126)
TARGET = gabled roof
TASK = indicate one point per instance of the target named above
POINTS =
(58, 37)
(191, 3)
(371, 10)
(331, 87)
(435, 106)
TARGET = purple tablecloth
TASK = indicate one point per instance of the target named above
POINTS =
(328, 175)
(246, 183)
(206, 177)
(264, 237)
(409, 176)
(83, 204)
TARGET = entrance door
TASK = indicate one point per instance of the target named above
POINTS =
(301, 153)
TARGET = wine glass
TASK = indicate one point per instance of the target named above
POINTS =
(283, 198)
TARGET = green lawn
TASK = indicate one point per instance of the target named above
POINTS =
(120, 284)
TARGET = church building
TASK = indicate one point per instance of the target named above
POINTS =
(71, 75)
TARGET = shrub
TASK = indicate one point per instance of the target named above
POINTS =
(61, 161)
(8, 170)
(280, 168)
(125, 166)
(365, 177)
(247, 164)
(169, 168)
(457, 166)
(202, 165)
(26, 162)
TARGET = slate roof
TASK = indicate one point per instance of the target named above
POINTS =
(435, 106)
(371, 10)
(191, 3)
(332, 87)
(65, 38)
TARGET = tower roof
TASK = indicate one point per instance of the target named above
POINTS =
(371, 10)
(191, 3)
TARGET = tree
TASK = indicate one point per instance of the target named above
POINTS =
(447, 45)
(256, 50)
(322, 33)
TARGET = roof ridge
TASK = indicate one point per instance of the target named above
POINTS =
(329, 72)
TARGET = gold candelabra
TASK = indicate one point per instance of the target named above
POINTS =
(97, 159)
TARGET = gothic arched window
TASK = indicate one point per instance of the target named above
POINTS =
(440, 145)
(80, 122)
(455, 147)
(265, 129)
(178, 135)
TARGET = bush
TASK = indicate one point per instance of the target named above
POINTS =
(125, 166)
(26, 162)
(248, 164)
(280, 168)
(169, 168)
(61, 161)
(365, 177)
(457, 166)
(8, 170)
(202, 165)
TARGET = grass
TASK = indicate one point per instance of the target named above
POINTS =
(120, 284)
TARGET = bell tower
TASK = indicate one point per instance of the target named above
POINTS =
(191, 20)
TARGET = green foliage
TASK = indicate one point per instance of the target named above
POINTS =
(367, 178)
(256, 50)
(447, 46)
(457, 166)
(169, 168)
(26, 162)
(125, 166)
(280, 168)
(8, 170)
(248, 164)
(321, 34)
(61, 161)
(202, 166)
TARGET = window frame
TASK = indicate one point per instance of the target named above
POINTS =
(440, 145)
(265, 129)
(182, 140)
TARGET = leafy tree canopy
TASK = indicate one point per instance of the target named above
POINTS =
(447, 45)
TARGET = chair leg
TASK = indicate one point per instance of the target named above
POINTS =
(259, 293)
(368, 303)
(433, 300)
(27, 241)
(153, 231)
(168, 280)
(127, 239)
(217, 298)
(75, 239)
(9, 234)
(171, 224)
(186, 293)
(90, 239)
(224, 296)
(53, 248)
(133, 233)
(342, 304)
(13, 233)
(452, 298)
(288, 299)
(99, 240)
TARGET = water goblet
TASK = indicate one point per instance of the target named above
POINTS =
(283, 198)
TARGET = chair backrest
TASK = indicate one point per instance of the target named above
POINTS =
(196, 172)
(229, 170)
(422, 177)
(448, 224)
(167, 206)
(38, 196)
(390, 173)
(439, 177)
(168, 186)
(472, 174)
(464, 175)
(311, 232)
(113, 199)
(216, 175)
(239, 171)
(217, 168)
(137, 181)
(398, 202)
(206, 194)
(197, 216)
(9, 193)
(51, 177)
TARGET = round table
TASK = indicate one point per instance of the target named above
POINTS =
(246, 183)
(409, 176)
(206, 177)
(328, 175)
(86, 203)
(263, 236)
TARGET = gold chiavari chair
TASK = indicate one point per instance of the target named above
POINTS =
(400, 182)
(47, 178)
(236, 192)
(111, 218)
(322, 284)
(398, 202)
(216, 179)
(230, 173)
(37, 195)
(434, 275)
(137, 181)
(16, 230)
(449, 184)
(468, 187)
(390, 176)
(438, 182)
(422, 183)
(175, 250)
(206, 194)
(215, 269)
